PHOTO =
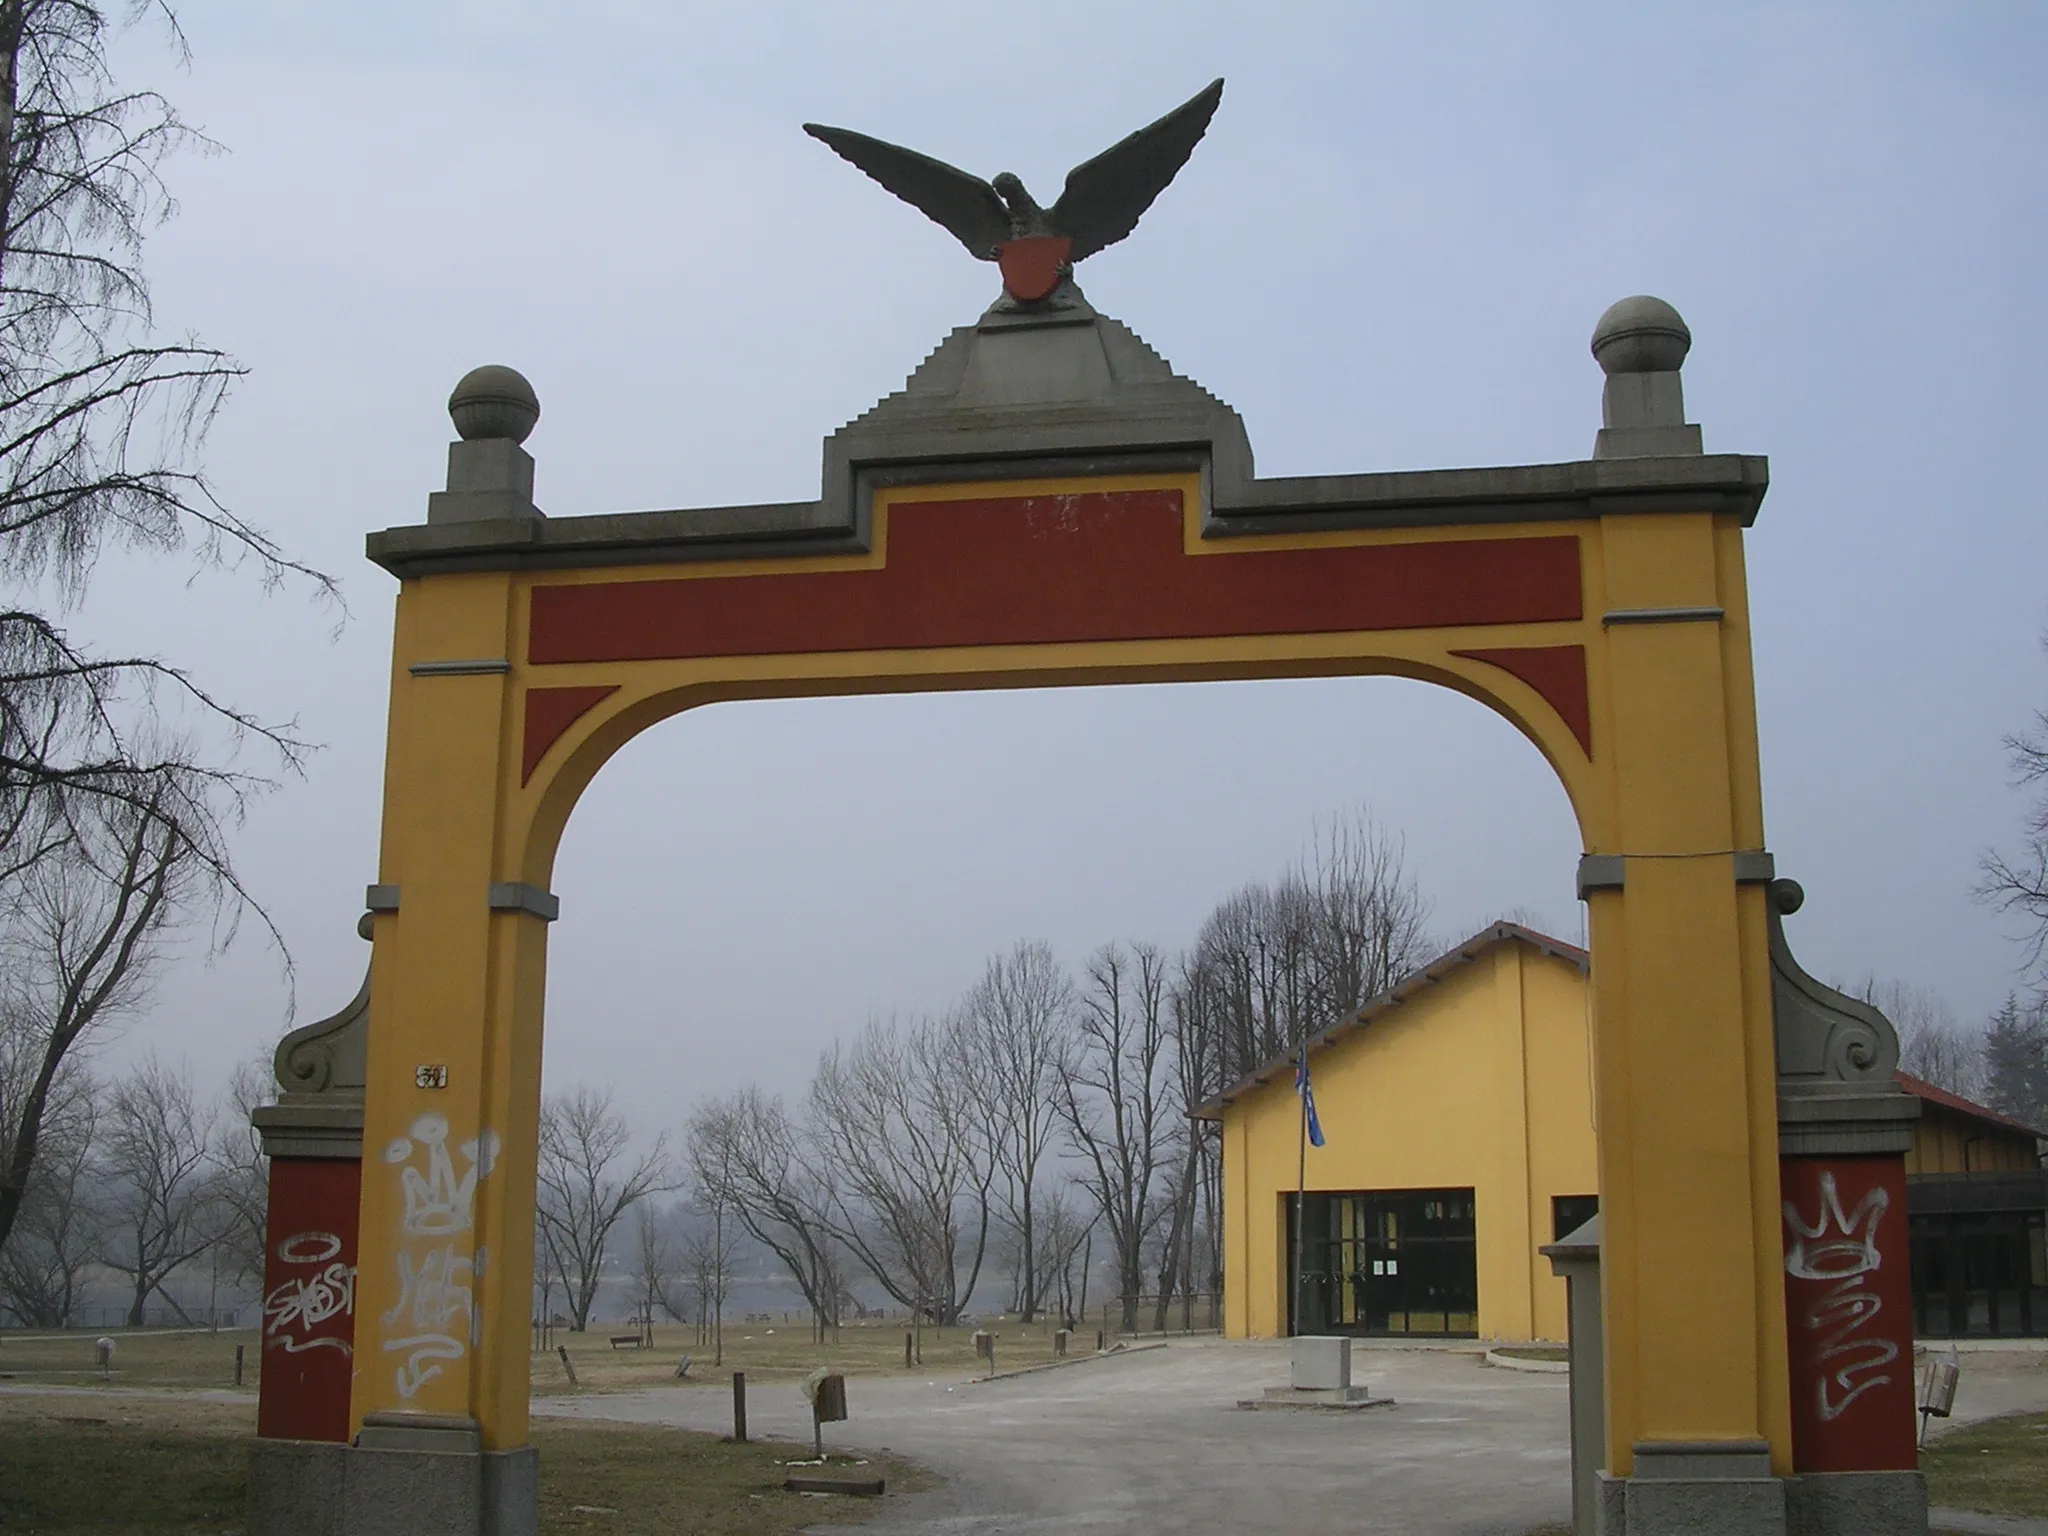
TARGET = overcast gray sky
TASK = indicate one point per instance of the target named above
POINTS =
(1388, 253)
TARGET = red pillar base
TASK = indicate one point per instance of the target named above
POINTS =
(1849, 1313)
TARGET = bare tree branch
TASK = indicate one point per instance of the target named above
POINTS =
(748, 1151)
(589, 1179)
(154, 1160)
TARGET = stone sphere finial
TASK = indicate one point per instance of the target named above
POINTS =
(494, 402)
(1641, 335)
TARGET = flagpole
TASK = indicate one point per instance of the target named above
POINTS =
(1301, 1171)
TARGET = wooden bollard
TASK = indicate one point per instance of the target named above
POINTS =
(1099, 1341)
(739, 1407)
(906, 1351)
(568, 1365)
(238, 1365)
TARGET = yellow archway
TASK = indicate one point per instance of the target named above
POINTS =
(1047, 504)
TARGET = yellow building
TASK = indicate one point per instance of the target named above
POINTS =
(1458, 1138)
(1457, 1114)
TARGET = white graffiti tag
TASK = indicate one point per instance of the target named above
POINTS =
(299, 1304)
(1841, 1247)
(435, 1313)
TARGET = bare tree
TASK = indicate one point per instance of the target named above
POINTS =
(1367, 917)
(904, 1161)
(154, 1159)
(1116, 1095)
(1067, 1220)
(101, 431)
(79, 930)
(654, 1267)
(710, 1241)
(589, 1179)
(747, 1150)
(2018, 882)
(1021, 1017)
(1933, 1044)
(101, 425)
(238, 1185)
(1196, 1201)
(57, 1231)
(1285, 960)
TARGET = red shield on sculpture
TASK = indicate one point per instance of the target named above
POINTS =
(1032, 267)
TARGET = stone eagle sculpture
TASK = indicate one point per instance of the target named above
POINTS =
(998, 220)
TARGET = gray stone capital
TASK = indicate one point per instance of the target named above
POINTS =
(518, 896)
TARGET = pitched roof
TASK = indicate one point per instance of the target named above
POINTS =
(1416, 981)
(1962, 1106)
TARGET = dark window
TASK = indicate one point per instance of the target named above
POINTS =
(1979, 1274)
(1387, 1262)
(1568, 1213)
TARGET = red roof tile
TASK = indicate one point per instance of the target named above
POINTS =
(1962, 1106)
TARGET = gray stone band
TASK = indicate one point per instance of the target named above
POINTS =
(1755, 867)
(518, 896)
(1601, 872)
(1609, 871)
(380, 898)
(479, 666)
(1663, 615)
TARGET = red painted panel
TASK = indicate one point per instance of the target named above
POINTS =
(1558, 672)
(1022, 570)
(1849, 1313)
(309, 1298)
(549, 712)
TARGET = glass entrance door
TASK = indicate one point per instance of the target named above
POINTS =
(1389, 1262)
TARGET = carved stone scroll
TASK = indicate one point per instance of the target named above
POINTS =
(1837, 1096)
(1824, 1036)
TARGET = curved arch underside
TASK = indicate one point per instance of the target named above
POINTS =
(1049, 582)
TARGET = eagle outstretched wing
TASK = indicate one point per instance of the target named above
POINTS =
(1105, 197)
(964, 204)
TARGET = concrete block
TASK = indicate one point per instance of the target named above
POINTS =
(1706, 1506)
(1691, 1460)
(511, 1492)
(1320, 1364)
(295, 1487)
(490, 464)
(1316, 1397)
(413, 1493)
(420, 1479)
(1610, 1505)
(1856, 1504)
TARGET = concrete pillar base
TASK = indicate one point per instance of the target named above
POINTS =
(409, 1475)
(1727, 1490)
(296, 1486)
(1867, 1503)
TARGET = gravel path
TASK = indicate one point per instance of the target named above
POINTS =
(1154, 1442)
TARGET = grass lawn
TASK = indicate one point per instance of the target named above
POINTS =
(142, 1358)
(189, 1358)
(136, 1466)
(1999, 1467)
(775, 1350)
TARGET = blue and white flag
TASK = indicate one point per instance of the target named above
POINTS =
(1308, 1099)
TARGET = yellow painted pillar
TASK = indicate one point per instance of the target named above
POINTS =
(444, 1280)
(1695, 1348)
